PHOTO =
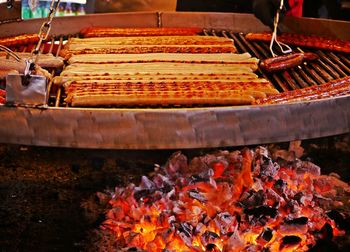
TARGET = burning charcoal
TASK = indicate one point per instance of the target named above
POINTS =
(225, 222)
(265, 236)
(209, 238)
(295, 146)
(185, 238)
(290, 241)
(219, 169)
(194, 194)
(285, 155)
(176, 163)
(268, 168)
(146, 183)
(327, 232)
(303, 199)
(212, 248)
(168, 235)
(186, 229)
(261, 151)
(308, 167)
(204, 176)
(262, 211)
(197, 165)
(340, 219)
(141, 194)
(253, 248)
(235, 160)
(297, 221)
(135, 240)
(161, 181)
(298, 196)
(252, 198)
(263, 165)
(294, 226)
(274, 198)
(292, 206)
(324, 202)
(167, 188)
(200, 228)
(162, 219)
(234, 243)
(134, 249)
(206, 219)
(116, 213)
(280, 186)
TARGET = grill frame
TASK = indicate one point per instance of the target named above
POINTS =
(170, 128)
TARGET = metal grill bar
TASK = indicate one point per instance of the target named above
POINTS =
(328, 67)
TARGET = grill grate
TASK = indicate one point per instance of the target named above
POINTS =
(329, 66)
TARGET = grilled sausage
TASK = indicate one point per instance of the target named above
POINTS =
(125, 32)
(19, 40)
(311, 41)
(280, 63)
(333, 88)
(284, 62)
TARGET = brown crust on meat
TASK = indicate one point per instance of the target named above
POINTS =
(147, 31)
(330, 89)
(24, 39)
(311, 41)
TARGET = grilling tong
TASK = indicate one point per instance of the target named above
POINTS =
(283, 47)
(29, 89)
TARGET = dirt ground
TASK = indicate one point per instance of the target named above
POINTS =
(42, 190)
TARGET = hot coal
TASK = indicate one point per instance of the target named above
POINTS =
(262, 211)
(340, 219)
(297, 221)
(266, 235)
(212, 248)
(196, 195)
(227, 201)
(253, 198)
(327, 232)
(290, 241)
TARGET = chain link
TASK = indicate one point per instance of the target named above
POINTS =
(46, 27)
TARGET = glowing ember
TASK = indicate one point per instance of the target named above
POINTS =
(228, 201)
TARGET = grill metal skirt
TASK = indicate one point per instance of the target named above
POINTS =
(172, 128)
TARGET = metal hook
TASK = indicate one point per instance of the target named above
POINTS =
(286, 48)
(10, 52)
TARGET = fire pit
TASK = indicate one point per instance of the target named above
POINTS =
(49, 199)
(248, 200)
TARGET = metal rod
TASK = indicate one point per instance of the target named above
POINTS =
(306, 77)
(314, 74)
(339, 62)
(338, 71)
(320, 71)
(301, 83)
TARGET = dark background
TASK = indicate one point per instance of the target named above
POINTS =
(333, 9)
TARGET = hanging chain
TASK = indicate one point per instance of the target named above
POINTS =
(46, 28)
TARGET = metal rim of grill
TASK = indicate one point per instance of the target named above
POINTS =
(159, 128)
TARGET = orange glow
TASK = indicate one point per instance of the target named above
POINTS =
(228, 208)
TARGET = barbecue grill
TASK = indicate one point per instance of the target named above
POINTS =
(186, 127)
